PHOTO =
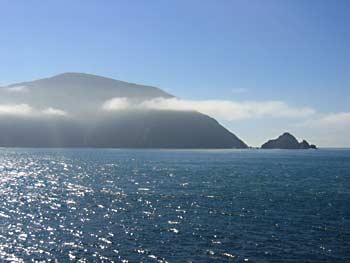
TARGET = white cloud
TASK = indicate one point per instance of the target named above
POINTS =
(330, 129)
(333, 120)
(17, 89)
(53, 111)
(15, 109)
(26, 110)
(221, 109)
(117, 104)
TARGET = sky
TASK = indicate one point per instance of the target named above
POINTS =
(260, 67)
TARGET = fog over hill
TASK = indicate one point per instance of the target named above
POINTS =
(75, 93)
(82, 110)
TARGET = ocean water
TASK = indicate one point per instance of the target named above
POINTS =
(88, 205)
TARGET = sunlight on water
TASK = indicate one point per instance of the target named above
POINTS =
(180, 206)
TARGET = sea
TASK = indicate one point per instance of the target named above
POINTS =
(121, 205)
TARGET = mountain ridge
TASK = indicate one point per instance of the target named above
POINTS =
(74, 116)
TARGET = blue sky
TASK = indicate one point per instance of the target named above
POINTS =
(296, 52)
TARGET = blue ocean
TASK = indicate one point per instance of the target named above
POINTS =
(107, 205)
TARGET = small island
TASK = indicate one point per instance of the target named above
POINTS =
(287, 141)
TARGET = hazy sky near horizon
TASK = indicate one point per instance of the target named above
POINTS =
(223, 55)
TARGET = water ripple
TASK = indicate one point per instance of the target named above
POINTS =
(173, 206)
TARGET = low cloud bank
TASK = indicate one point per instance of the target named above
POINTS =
(16, 89)
(332, 120)
(15, 109)
(26, 110)
(53, 111)
(330, 129)
(221, 109)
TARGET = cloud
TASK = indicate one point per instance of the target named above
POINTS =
(53, 111)
(26, 110)
(16, 109)
(330, 129)
(16, 89)
(117, 104)
(221, 109)
(332, 120)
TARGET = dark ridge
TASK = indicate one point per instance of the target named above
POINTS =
(287, 141)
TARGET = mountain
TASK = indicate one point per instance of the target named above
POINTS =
(65, 90)
(287, 141)
(69, 110)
